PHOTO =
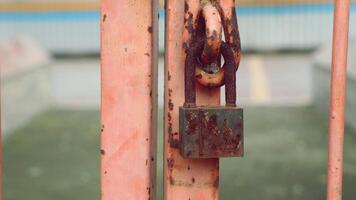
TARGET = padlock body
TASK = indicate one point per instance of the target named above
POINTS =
(211, 132)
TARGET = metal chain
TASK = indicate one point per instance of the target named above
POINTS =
(205, 19)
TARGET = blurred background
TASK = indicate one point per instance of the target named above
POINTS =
(50, 84)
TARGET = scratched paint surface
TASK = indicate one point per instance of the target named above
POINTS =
(183, 179)
(128, 108)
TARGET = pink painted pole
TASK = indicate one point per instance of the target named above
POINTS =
(183, 178)
(0, 151)
(128, 99)
(337, 99)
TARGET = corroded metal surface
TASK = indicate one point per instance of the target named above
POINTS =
(213, 29)
(204, 20)
(206, 131)
(190, 79)
(231, 29)
(128, 99)
(184, 178)
(211, 132)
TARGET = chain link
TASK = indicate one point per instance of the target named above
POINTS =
(205, 19)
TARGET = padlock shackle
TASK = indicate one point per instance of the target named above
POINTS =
(229, 74)
(191, 62)
(189, 73)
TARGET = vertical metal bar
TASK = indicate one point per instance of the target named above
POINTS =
(183, 179)
(337, 99)
(128, 99)
(229, 74)
(0, 149)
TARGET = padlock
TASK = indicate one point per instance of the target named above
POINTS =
(210, 131)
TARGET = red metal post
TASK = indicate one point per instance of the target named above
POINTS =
(183, 178)
(128, 99)
(337, 99)
(1, 164)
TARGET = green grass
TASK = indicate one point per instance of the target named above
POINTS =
(56, 156)
(286, 156)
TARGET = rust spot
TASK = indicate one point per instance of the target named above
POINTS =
(171, 180)
(105, 172)
(170, 91)
(102, 128)
(229, 75)
(102, 152)
(152, 159)
(193, 180)
(146, 162)
(189, 153)
(216, 183)
(104, 17)
(188, 167)
(169, 76)
(170, 105)
(213, 36)
(220, 132)
(185, 46)
(192, 122)
(188, 21)
(189, 73)
(148, 190)
(149, 29)
(170, 162)
(169, 116)
(146, 54)
(151, 93)
(186, 6)
(125, 49)
(233, 35)
(212, 124)
(172, 142)
(170, 129)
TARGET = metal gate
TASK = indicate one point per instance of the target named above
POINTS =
(129, 104)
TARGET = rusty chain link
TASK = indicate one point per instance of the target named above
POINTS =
(205, 20)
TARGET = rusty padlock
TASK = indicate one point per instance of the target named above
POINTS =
(207, 131)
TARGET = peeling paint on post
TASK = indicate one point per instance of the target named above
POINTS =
(183, 179)
(128, 99)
